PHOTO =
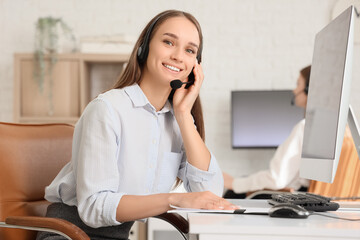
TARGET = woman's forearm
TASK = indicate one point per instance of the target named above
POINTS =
(196, 151)
(134, 207)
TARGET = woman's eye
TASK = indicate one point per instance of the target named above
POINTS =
(190, 51)
(168, 42)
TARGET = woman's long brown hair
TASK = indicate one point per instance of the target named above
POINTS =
(132, 71)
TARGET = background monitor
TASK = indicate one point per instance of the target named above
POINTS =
(262, 119)
(328, 99)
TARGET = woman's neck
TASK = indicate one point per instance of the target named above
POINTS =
(156, 94)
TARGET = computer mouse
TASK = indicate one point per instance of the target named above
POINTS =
(286, 210)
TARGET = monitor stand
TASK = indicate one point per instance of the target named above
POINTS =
(354, 128)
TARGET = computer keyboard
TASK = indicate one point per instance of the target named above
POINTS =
(309, 201)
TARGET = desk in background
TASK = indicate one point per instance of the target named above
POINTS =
(243, 226)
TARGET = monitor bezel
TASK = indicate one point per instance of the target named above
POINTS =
(321, 169)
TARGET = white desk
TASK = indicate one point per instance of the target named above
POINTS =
(231, 227)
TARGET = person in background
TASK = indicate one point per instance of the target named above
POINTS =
(134, 142)
(284, 167)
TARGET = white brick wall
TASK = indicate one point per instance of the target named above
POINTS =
(249, 44)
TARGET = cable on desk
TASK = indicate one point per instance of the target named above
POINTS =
(341, 218)
(345, 198)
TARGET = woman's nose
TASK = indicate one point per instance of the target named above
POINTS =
(177, 55)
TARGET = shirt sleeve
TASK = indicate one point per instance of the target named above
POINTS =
(97, 178)
(284, 166)
(197, 180)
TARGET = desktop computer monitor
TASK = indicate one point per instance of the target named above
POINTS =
(328, 99)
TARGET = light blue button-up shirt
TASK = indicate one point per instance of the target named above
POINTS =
(123, 146)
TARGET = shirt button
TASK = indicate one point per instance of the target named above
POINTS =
(154, 141)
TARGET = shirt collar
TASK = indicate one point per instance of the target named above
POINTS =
(139, 99)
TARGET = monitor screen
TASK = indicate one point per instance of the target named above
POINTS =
(262, 119)
(328, 99)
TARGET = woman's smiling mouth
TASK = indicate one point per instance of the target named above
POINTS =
(172, 67)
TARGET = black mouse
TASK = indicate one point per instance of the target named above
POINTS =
(286, 210)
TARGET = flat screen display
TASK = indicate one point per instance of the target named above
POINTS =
(329, 97)
(262, 119)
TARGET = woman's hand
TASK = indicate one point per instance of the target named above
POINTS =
(184, 99)
(201, 200)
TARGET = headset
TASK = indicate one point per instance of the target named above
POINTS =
(143, 50)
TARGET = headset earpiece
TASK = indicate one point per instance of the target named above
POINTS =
(143, 50)
(139, 52)
(306, 90)
(198, 57)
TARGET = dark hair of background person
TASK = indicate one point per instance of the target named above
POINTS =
(305, 72)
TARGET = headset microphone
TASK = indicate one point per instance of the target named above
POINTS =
(175, 84)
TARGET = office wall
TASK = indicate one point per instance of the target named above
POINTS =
(249, 44)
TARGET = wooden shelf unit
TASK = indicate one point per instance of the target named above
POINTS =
(76, 79)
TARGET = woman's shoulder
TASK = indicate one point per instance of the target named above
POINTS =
(106, 105)
(119, 100)
(115, 98)
(111, 100)
(112, 95)
(298, 130)
(301, 123)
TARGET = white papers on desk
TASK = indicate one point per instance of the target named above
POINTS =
(250, 207)
(254, 206)
(195, 210)
(257, 210)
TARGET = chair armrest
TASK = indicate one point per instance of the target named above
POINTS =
(75, 233)
(48, 224)
(177, 221)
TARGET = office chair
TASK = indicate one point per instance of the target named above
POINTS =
(31, 155)
(347, 180)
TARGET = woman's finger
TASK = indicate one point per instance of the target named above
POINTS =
(201, 72)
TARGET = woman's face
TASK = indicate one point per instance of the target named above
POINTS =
(299, 93)
(172, 51)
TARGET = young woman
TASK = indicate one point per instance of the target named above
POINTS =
(132, 143)
(284, 167)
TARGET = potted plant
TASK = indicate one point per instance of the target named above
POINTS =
(47, 35)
